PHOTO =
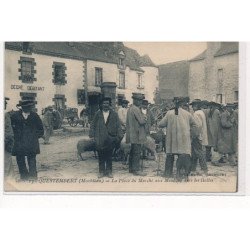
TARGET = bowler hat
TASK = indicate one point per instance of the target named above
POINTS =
(138, 96)
(6, 98)
(145, 102)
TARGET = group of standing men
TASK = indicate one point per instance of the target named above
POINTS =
(207, 132)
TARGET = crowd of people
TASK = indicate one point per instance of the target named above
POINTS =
(199, 131)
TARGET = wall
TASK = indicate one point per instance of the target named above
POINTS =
(151, 82)
(230, 65)
(203, 78)
(197, 84)
(173, 79)
(44, 79)
(109, 72)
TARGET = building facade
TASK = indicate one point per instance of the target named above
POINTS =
(66, 74)
(214, 74)
(173, 80)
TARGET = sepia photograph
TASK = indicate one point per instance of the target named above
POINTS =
(134, 117)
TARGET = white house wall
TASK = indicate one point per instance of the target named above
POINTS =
(44, 78)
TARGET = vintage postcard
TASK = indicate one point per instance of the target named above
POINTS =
(121, 117)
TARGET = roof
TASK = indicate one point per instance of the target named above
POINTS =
(96, 51)
(145, 61)
(227, 48)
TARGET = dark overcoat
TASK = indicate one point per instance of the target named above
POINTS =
(106, 135)
(227, 135)
(26, 133)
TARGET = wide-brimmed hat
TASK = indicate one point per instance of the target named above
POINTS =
(50, 107)
(125, 101)
(181, 100)
(196, 101)
(138, 96)
(25, 103)
(215, 104)
(106, 99)
(230, 105)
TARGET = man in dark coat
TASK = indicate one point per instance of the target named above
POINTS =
(227, 135)
(8, 143)
(107, 133)
(213, 121)
(136, 133)
(27, 127)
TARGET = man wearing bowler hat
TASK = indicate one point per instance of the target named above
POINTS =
(28, 128)
(135, 133)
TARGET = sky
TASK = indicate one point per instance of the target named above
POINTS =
(165, 52)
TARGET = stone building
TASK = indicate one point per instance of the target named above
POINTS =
(173, 79)
(214, 74)
(69, 74)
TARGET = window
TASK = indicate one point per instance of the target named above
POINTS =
(220, 75)
(219, 98)
(98, 76)
(236, 96)
(122, 80)
(140, 85)
(81, 96)
(59, 74)
(121, 60)
(27, 70)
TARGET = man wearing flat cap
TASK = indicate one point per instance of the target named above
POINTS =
(28, 128)
(106, 131)
(8, 143)
(135, 133)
